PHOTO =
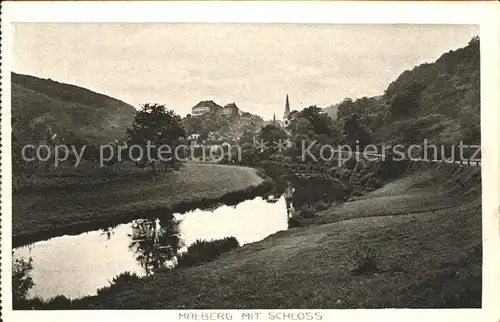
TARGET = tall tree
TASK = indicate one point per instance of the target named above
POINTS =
(408, 100)
(354, 130)
(160, 127)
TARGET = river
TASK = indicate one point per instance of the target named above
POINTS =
(76, 266)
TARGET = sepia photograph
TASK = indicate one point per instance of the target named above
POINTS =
(254, 166)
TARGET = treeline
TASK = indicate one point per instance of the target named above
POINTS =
(439, 102)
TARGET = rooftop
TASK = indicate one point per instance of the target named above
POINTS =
(231, 105)
(207, 103)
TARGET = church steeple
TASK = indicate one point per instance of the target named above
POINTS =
(287, 111)
(287, 107)
(274, 118)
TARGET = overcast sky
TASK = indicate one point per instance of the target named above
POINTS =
(252, 65)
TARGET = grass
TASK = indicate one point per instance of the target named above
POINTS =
(425, 232)
(65, 205)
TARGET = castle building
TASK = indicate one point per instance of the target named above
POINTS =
(231, 110)
(206, 107)
(210, 107)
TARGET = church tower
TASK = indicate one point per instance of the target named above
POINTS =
(287, 112)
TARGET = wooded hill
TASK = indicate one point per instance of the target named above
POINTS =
(439, 101)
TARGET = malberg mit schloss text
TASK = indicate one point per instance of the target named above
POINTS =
(250, 316)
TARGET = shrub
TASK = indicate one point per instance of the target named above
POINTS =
(366, 259)
(307, 211)
(126, 277)
(392, 169)
(58, 303)
(296, 221)
(120, 281)
(322, 205)
(21, 280)
(204, 251)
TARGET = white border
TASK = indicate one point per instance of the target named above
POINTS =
(483, 13)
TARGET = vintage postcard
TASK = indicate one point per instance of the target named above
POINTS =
(250, 161)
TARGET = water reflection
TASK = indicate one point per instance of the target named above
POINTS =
(155, 242)
(108, 232)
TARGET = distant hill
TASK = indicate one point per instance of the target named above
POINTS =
(332, 110)
(72, 112)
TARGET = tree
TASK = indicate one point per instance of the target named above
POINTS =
(321, 123)
(346, 108)
(474, 41)
(354, 131)
(272, 133)
(192, 124)
(155, 242)
(408, 100)
(160, 127)
(315, 124)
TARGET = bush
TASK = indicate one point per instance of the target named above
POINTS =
(307, 211)
(304, 215)
(204, 251)
(58, 303)
(21, 280)
(322, 205)
(392, 169)
(296, 221)
(126, 277)
(366, 259)
(119, 281)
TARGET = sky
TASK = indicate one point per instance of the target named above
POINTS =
(254, 65)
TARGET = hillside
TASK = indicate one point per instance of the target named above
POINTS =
(73, 112)
(439, 101)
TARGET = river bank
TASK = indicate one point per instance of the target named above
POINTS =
(420, 235)
(48, 211)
